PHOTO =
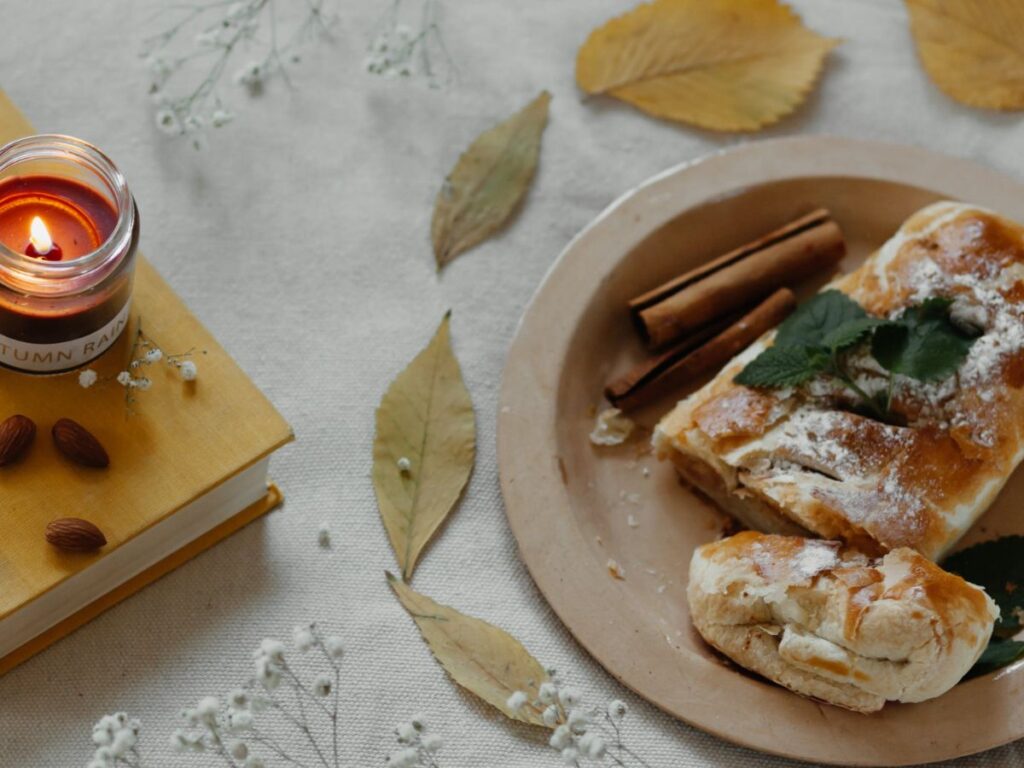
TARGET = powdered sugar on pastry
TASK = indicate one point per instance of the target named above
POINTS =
(827, 621)
(801, 455)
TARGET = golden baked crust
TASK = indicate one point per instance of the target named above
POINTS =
(801, 454)
(827, 621)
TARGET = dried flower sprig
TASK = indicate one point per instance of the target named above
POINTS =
(116, 738)
(144, 353)
(220, 29)
(580, 734)
(416, 747)
(243, 731)
(399, 49)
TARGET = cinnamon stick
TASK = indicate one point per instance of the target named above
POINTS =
(688, 360)
(738, 278)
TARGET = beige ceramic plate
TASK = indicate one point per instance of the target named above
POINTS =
(570, 504)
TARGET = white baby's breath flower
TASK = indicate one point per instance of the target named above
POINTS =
(251, 76)
(154, 355)
(323, 684)
(561, 737)
(617, 709)
(240, 720)
(180, 742)
(168, 122)
(87, 378)
(237, 749)
(239, 699)
(569, 697)
(404, 758)
(220, 118)
(570, 755)
(577, 721)
(123, 741)
(142, 383)
(268, 673)
(433, 743)
(272, 649)
(404, 465)
(334, 647)
(207, 708)
(124, 378)
(302, 637)
(592, 745)
(517, 701)
(188, 370)
(406, 733)
(547, 693)
(419, 722)
(159, 67)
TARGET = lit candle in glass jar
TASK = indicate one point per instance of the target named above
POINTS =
(69, 230)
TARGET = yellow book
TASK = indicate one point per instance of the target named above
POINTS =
(187, 467)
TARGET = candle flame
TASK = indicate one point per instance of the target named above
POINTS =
(40, 237)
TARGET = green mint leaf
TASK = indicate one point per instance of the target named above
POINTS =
(998, 566)
(923, 343)
(851, 332)
(816, 318)
(998, 654)
(782, 367)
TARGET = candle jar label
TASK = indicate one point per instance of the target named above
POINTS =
(65, 355)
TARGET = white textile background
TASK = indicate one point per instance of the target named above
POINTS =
(300, 238)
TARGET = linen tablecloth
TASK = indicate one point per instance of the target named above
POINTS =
(300, 237)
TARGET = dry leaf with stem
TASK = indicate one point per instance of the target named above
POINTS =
(481, 658)
(488, 181)
(727, 65)
(424, 448)
(972, 49)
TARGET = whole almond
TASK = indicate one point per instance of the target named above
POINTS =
(79, 444)
(16, 435)
(73, 534)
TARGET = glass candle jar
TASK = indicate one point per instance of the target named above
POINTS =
(69, 230)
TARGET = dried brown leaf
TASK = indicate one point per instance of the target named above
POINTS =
(973, 50)
(483, 659)
(488, 181)
(426, 419)
(727, 65)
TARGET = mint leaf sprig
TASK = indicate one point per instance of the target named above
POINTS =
(998, 567)
(923, 343)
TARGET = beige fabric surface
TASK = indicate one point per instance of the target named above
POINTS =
(300, 237)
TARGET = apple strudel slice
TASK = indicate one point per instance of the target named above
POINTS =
(803, 459)
(829, 622)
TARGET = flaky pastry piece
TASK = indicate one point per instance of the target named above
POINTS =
(796, 460)
(827, 621)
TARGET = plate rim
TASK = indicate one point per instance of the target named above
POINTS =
(532, 374)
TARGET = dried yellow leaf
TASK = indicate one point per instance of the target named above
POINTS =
(424, 448)
(727, 65)
(483, 659)
(488, 181)
(973, 49)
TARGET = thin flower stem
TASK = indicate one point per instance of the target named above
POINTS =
(334, 715)
(299, 687)
(301, 725)
(267, 741)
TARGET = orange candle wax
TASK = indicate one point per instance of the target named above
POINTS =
(53, 218)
